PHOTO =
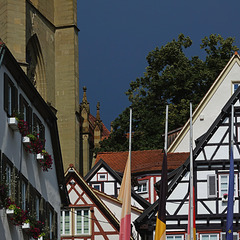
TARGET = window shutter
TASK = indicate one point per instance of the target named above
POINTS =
(29, 119)
(55, 232)
(15, 100)
(6, 92)
(16, 186)
(212, 186)
(4, 162)
(21, 104)
(31, 199)
(43, 210)
(42, 134)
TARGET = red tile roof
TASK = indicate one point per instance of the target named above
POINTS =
(105, 131)
(142, 161)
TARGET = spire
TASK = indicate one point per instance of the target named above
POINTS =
(98, 112)
(85, 103)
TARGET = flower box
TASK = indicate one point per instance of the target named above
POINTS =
(13, 123)
(26, 141)
(10, 212)
(26, 226)
(40, 156)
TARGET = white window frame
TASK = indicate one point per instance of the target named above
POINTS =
(141, 186)
(223, 191)
(235, 236)
(209, 235)
(87, 219)
(235, 85)
(174, 237)
(99, 178)
(63, 222)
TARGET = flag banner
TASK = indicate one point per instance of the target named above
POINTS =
(160, 230)
(229, 226)
(125, 197)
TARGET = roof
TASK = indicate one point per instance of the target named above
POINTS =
(72, 172)
(142, 161)
(105, 131)
(143, 202)
(235, 58)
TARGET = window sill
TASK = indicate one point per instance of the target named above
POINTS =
(13, 123)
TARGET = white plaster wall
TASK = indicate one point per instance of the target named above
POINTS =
(212, 109)
(10, 144)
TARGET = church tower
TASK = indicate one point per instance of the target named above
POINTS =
(43, 37)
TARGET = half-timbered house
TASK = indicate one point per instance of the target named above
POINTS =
(146, 167)
(211, 104)
(91, 214)
(211, 170)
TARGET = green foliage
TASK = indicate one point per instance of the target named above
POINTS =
(170, 78)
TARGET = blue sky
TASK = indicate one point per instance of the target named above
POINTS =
(116, 36)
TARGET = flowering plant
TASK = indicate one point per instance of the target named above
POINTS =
(35, 144)
(225, 195)
(23, 127)
(20, 216)
(46, 162)
(36, 228)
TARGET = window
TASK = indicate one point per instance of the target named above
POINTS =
(26, 112)
(38, 128)
(209, 237)
(82, 222)
(223, 185)
(51, 226)
(65, 222)
(102, 176)
(235, 236)
(235, 86)
(24, 195)
(212, 186)
(142, 187)
(10, 96)
(37, 204)
(174, 237)
(97, 186)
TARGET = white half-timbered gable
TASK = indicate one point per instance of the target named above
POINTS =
(211, 104)
(211, 169)
(105, 179)
(146, 166)
(30, 186)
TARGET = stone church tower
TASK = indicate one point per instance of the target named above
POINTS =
(43, 37)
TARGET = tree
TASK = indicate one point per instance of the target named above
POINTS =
(170, 78)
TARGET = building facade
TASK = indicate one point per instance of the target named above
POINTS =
(43, 37)
(32, 177)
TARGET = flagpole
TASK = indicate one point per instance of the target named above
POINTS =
(166, 131)
(130, 135)
(229, 225)
(191, 176)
